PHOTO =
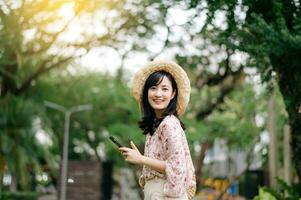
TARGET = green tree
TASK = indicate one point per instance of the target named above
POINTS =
(269, 32)
(37, 37)
(211, 41)
(114, 111)
(264, 34)
(21, 152)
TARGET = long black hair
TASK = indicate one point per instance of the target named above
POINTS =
(149, 122)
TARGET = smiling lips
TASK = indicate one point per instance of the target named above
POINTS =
(158, 100)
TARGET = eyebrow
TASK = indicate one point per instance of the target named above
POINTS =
(165, 85)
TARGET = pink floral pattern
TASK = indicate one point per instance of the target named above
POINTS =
(169, 144)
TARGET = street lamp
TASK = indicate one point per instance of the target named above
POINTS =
(67, 113)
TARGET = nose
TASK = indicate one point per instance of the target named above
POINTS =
(158, 93)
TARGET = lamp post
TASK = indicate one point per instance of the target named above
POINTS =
(67, 113)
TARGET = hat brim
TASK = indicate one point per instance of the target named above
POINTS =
(177, 72)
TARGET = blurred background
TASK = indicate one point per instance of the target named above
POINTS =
(66, 69)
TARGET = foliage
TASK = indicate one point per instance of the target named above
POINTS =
(234, 120)
(19, 148)
(114, 112)
(19, 196)
(264, 194)
(37, 37)
(285, 192)
(269, 33)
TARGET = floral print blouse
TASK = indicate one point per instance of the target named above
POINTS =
(169, 143)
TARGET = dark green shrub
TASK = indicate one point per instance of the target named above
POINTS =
(19, 196)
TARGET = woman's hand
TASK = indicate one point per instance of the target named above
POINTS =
(132, 155)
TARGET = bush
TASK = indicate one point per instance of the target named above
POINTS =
(284, 192)
(264, 194)
(19, 196)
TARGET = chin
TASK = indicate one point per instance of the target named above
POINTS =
(155, 107)
(159, 107)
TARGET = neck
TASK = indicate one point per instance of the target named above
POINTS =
(158, 113)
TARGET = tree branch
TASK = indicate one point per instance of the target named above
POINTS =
(2, 14)
(120, 72)
(225, 89)
(166, 41)
(7, 74)
(210, 108)
(41, 70)
(216, 78)
(8, 6)
(43, 66)
(53, 39)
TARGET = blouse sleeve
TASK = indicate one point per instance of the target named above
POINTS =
(175, 166)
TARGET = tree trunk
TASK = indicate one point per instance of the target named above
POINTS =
(199, 163)
(273, 147)
(13, 185)
(287, 155)
(8, 83)
(290, 86)
(1, 181)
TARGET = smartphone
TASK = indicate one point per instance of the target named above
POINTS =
(115, 141)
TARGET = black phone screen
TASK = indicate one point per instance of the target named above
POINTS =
(115, 141)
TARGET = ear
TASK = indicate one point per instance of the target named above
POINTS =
(173, 94)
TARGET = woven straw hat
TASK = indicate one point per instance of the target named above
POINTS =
(180, 76)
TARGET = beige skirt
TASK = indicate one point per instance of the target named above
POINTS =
(153, 190)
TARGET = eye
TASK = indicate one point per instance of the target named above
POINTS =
(153, 88)
(165, 89)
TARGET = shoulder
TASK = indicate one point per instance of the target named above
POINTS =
(171, 122)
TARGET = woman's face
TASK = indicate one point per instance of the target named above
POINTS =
(160, 95)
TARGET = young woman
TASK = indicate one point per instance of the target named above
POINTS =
(162, 89)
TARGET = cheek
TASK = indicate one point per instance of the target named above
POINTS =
(149, 94)
(169, 95)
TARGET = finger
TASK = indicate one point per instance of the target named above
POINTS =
(124, 155)
(133, 146)
(123, 149)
